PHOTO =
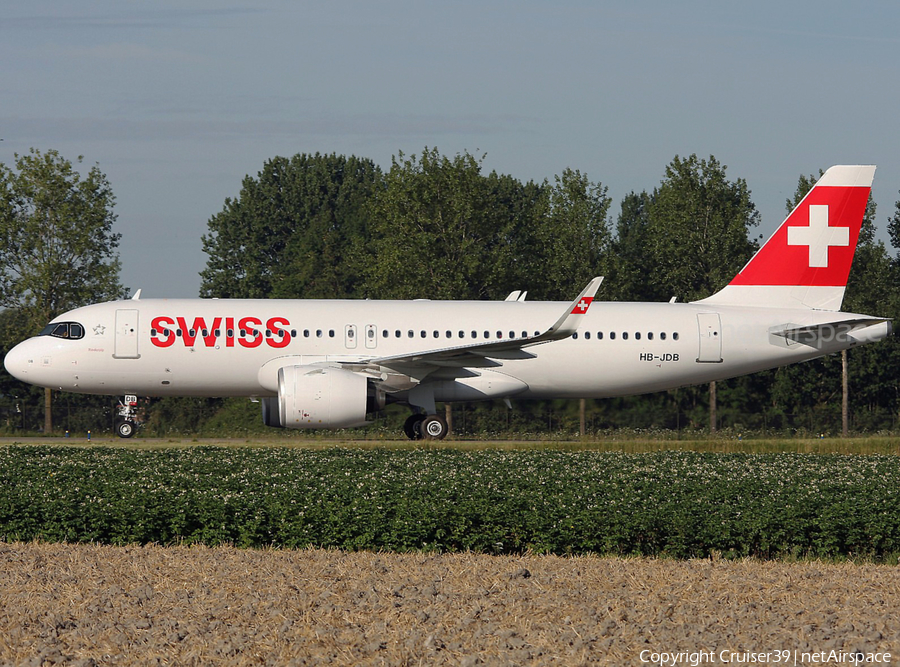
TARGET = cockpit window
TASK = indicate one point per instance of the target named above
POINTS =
(71, 330)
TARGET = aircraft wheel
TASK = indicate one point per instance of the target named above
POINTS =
(125, 429)
(434, 428)
(413, 427)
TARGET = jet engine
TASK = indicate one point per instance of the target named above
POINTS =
(314, 397)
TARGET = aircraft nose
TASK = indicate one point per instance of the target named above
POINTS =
(18, 362)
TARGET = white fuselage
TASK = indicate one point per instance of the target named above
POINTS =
(146, 347)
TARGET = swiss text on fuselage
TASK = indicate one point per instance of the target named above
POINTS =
(241, 331)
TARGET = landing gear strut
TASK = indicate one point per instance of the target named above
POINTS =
(127, 412)
(425, 427)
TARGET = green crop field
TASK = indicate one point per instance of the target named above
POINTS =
(673, 503)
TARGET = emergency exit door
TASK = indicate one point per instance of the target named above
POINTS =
(126, 334)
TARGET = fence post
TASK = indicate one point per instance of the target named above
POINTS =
(845, 408)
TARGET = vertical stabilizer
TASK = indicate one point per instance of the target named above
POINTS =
(806, 262)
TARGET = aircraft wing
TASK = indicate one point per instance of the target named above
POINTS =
(490, 353)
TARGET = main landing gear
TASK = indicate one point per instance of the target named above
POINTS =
(425, 427)
(126, 424)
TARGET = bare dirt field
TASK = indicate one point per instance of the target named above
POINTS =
(102, 605)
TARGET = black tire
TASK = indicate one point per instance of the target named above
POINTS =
(434, 428)
(125, 429)
(413, 427)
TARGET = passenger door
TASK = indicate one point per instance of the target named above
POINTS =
(126, 334)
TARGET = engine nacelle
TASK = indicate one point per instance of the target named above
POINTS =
(313, 397)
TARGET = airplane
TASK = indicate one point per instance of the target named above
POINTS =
(330, 363)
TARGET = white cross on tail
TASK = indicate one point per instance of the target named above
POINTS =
(818, 236)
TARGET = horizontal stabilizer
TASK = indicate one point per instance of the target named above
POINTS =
(856, 330)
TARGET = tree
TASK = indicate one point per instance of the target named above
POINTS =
(57, 247)
(442, 229)
(432, 236)
(574, 234)
(293, 230)
(698, 224)
(628, 279)
(894, 227)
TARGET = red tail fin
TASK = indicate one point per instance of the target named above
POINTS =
(806, 262)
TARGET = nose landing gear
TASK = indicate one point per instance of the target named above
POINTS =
(126, 424)
(125, 429)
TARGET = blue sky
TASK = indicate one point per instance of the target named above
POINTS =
(177, 102)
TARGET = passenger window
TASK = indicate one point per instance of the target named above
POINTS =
(422, 333)
(650, 335)
(637, 335)
(662, 335)
(624, 335)
(318, 333)
(675, 336)
(331, 333)
(575, 336)
(599, 335)
(587, 335)
(612, 335)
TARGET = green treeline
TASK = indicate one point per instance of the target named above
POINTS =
(439, 227)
